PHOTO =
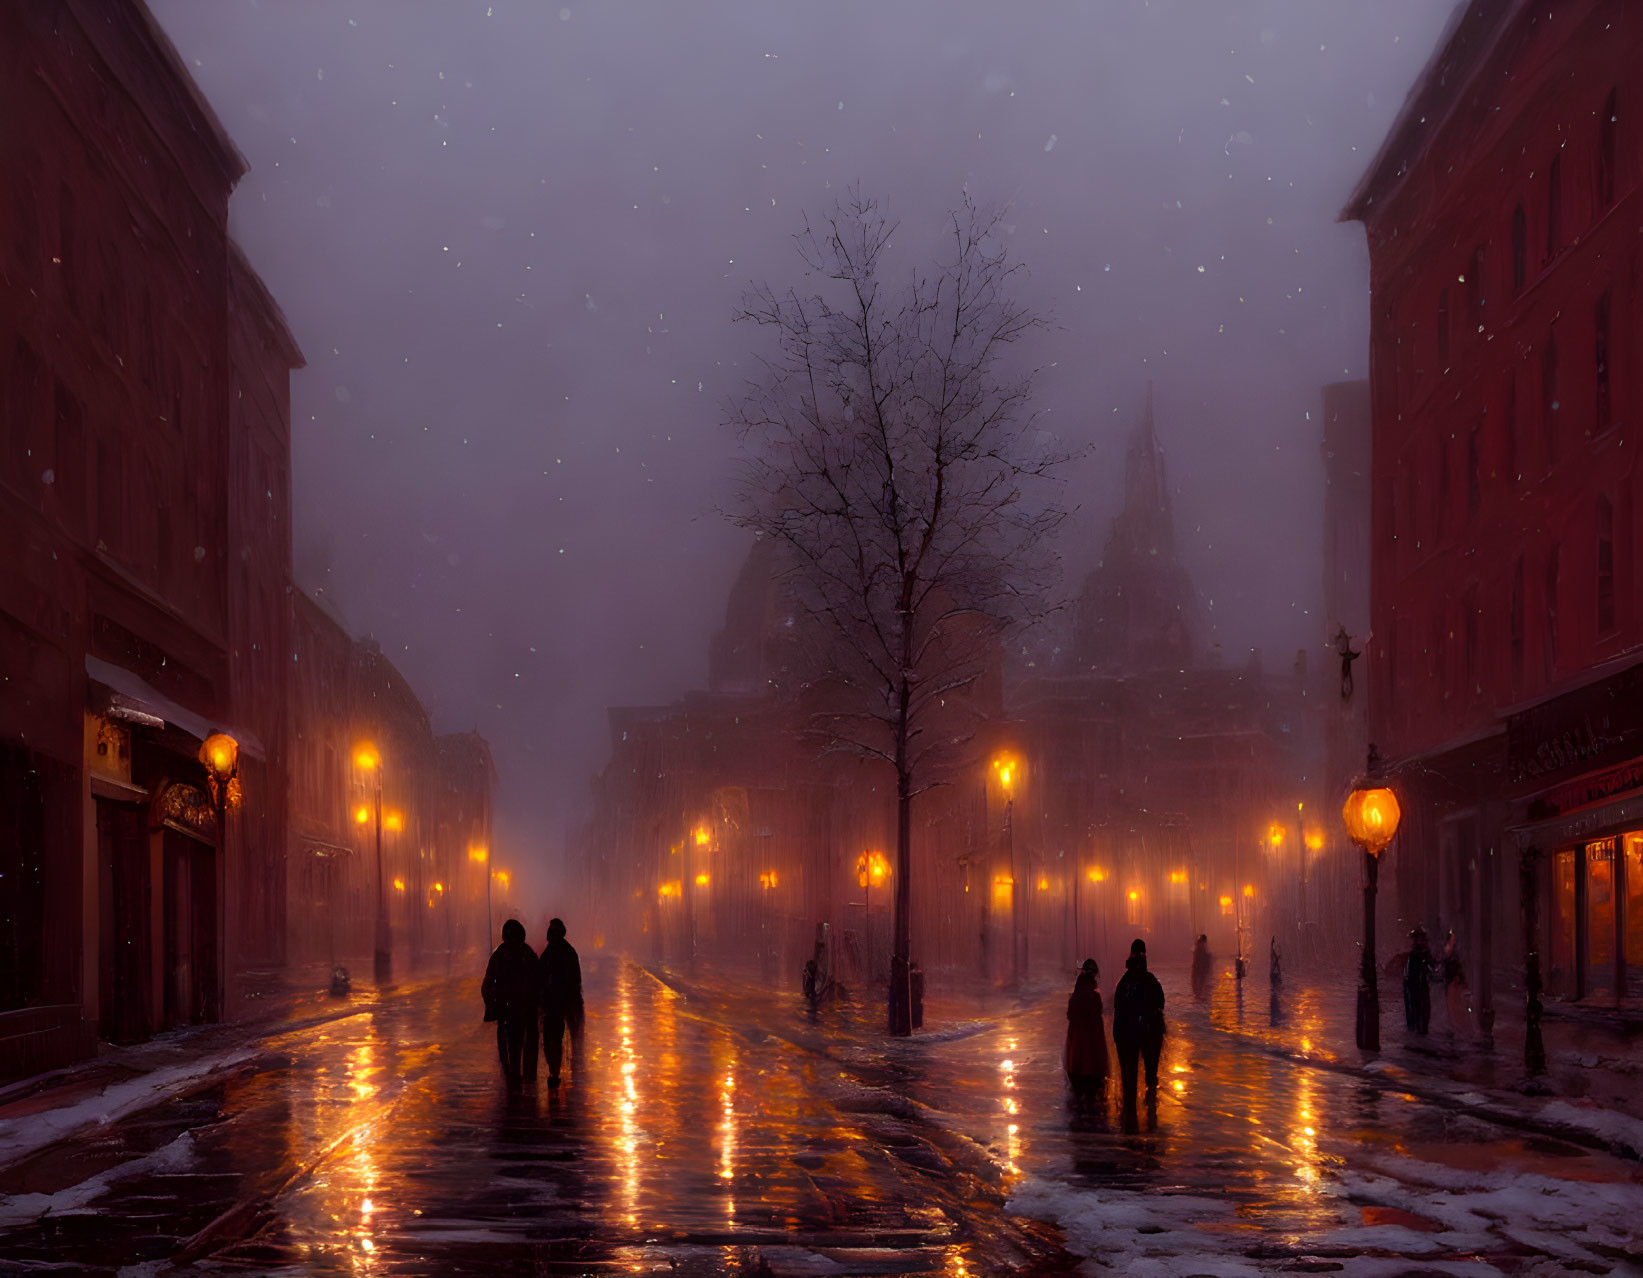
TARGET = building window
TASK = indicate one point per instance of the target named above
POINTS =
(1607, 123)
(1605, 565)
(1600, 348)
(1548, 399)
(1474, 481)
(1520, 249)
(1554, 208)
(1551, 635)
(1443, 326)
(1516, 624)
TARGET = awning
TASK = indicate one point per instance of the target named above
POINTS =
(136, 701)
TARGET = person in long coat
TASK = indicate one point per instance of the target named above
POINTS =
(510, 993)
(561, 991)
(1417, 984)
(1138, 1021)
(1085, 1056)
(1202, 962)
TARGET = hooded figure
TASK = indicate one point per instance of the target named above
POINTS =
(1085, 1056)
(1417, 984)
(509, 991)
(1201, 964)
(1138, 1020)
(561, 985)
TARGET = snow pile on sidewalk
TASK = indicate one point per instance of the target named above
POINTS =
(77, 1199)
(20, 1137)
(1136, 1233)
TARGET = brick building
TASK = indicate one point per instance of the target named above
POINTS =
(436, 794)
(141, 596)
(1502, 216)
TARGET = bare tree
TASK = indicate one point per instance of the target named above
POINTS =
(899, 465)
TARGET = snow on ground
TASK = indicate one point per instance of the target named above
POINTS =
(77, 1199)
(20, 1137)
(1136, 1233)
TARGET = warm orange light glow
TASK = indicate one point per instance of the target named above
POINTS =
(399, 885)
(439, 887)
(1135, 896)
(767, 880)
(394, 821)
(479, 855)
(1249, 889)
(362, 816)
(1275, 835)
(1007, 768)
(221, 753)
(1314, 840)
(366, 757)
(701, 880)
(1098, 875)
(1177, 877)
(502, 877)
(1371, 818)
(704, 836)
(871, 867)
(1226, 905)
(1043, 883)
(1003, 880)
(670, 888)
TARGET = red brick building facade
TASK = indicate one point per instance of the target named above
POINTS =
(1502, 217)
(143, 398)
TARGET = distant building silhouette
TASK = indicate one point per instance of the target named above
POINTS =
(1137, 610)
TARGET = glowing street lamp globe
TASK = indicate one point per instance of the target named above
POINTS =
(1371, 815)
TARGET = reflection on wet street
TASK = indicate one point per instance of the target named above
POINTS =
(712, 1128)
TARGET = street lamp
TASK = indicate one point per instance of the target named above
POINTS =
(871, 869)
(220, 754)
(1007, 768)
(1371, 814)
(366, 759)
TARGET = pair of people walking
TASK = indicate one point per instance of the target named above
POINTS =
(1137, 1027)
(526, 994)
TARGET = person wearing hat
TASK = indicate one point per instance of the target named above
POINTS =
(1138, 1021)
(509, 991)
(1085, 1055)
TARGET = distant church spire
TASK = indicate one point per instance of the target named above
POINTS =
(1138, 610)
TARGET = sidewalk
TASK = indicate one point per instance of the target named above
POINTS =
(1590, 1094)
(39, 1111)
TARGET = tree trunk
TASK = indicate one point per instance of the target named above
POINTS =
(901, 1004)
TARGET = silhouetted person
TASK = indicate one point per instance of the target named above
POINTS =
(1417, 984)
(561, 986)
(1275, 969)
(1138, 1021)
(1085, 1056)
(510, 994)
(1201, 964)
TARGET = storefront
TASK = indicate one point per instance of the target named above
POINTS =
(1580, 757)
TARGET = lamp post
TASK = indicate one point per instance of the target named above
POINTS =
(1371, 814)
(368, 760)
(1006, 767)
(220, 753)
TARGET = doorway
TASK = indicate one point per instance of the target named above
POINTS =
(122, 890)
(190, 929)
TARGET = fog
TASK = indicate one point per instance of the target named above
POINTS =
(510, 236)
